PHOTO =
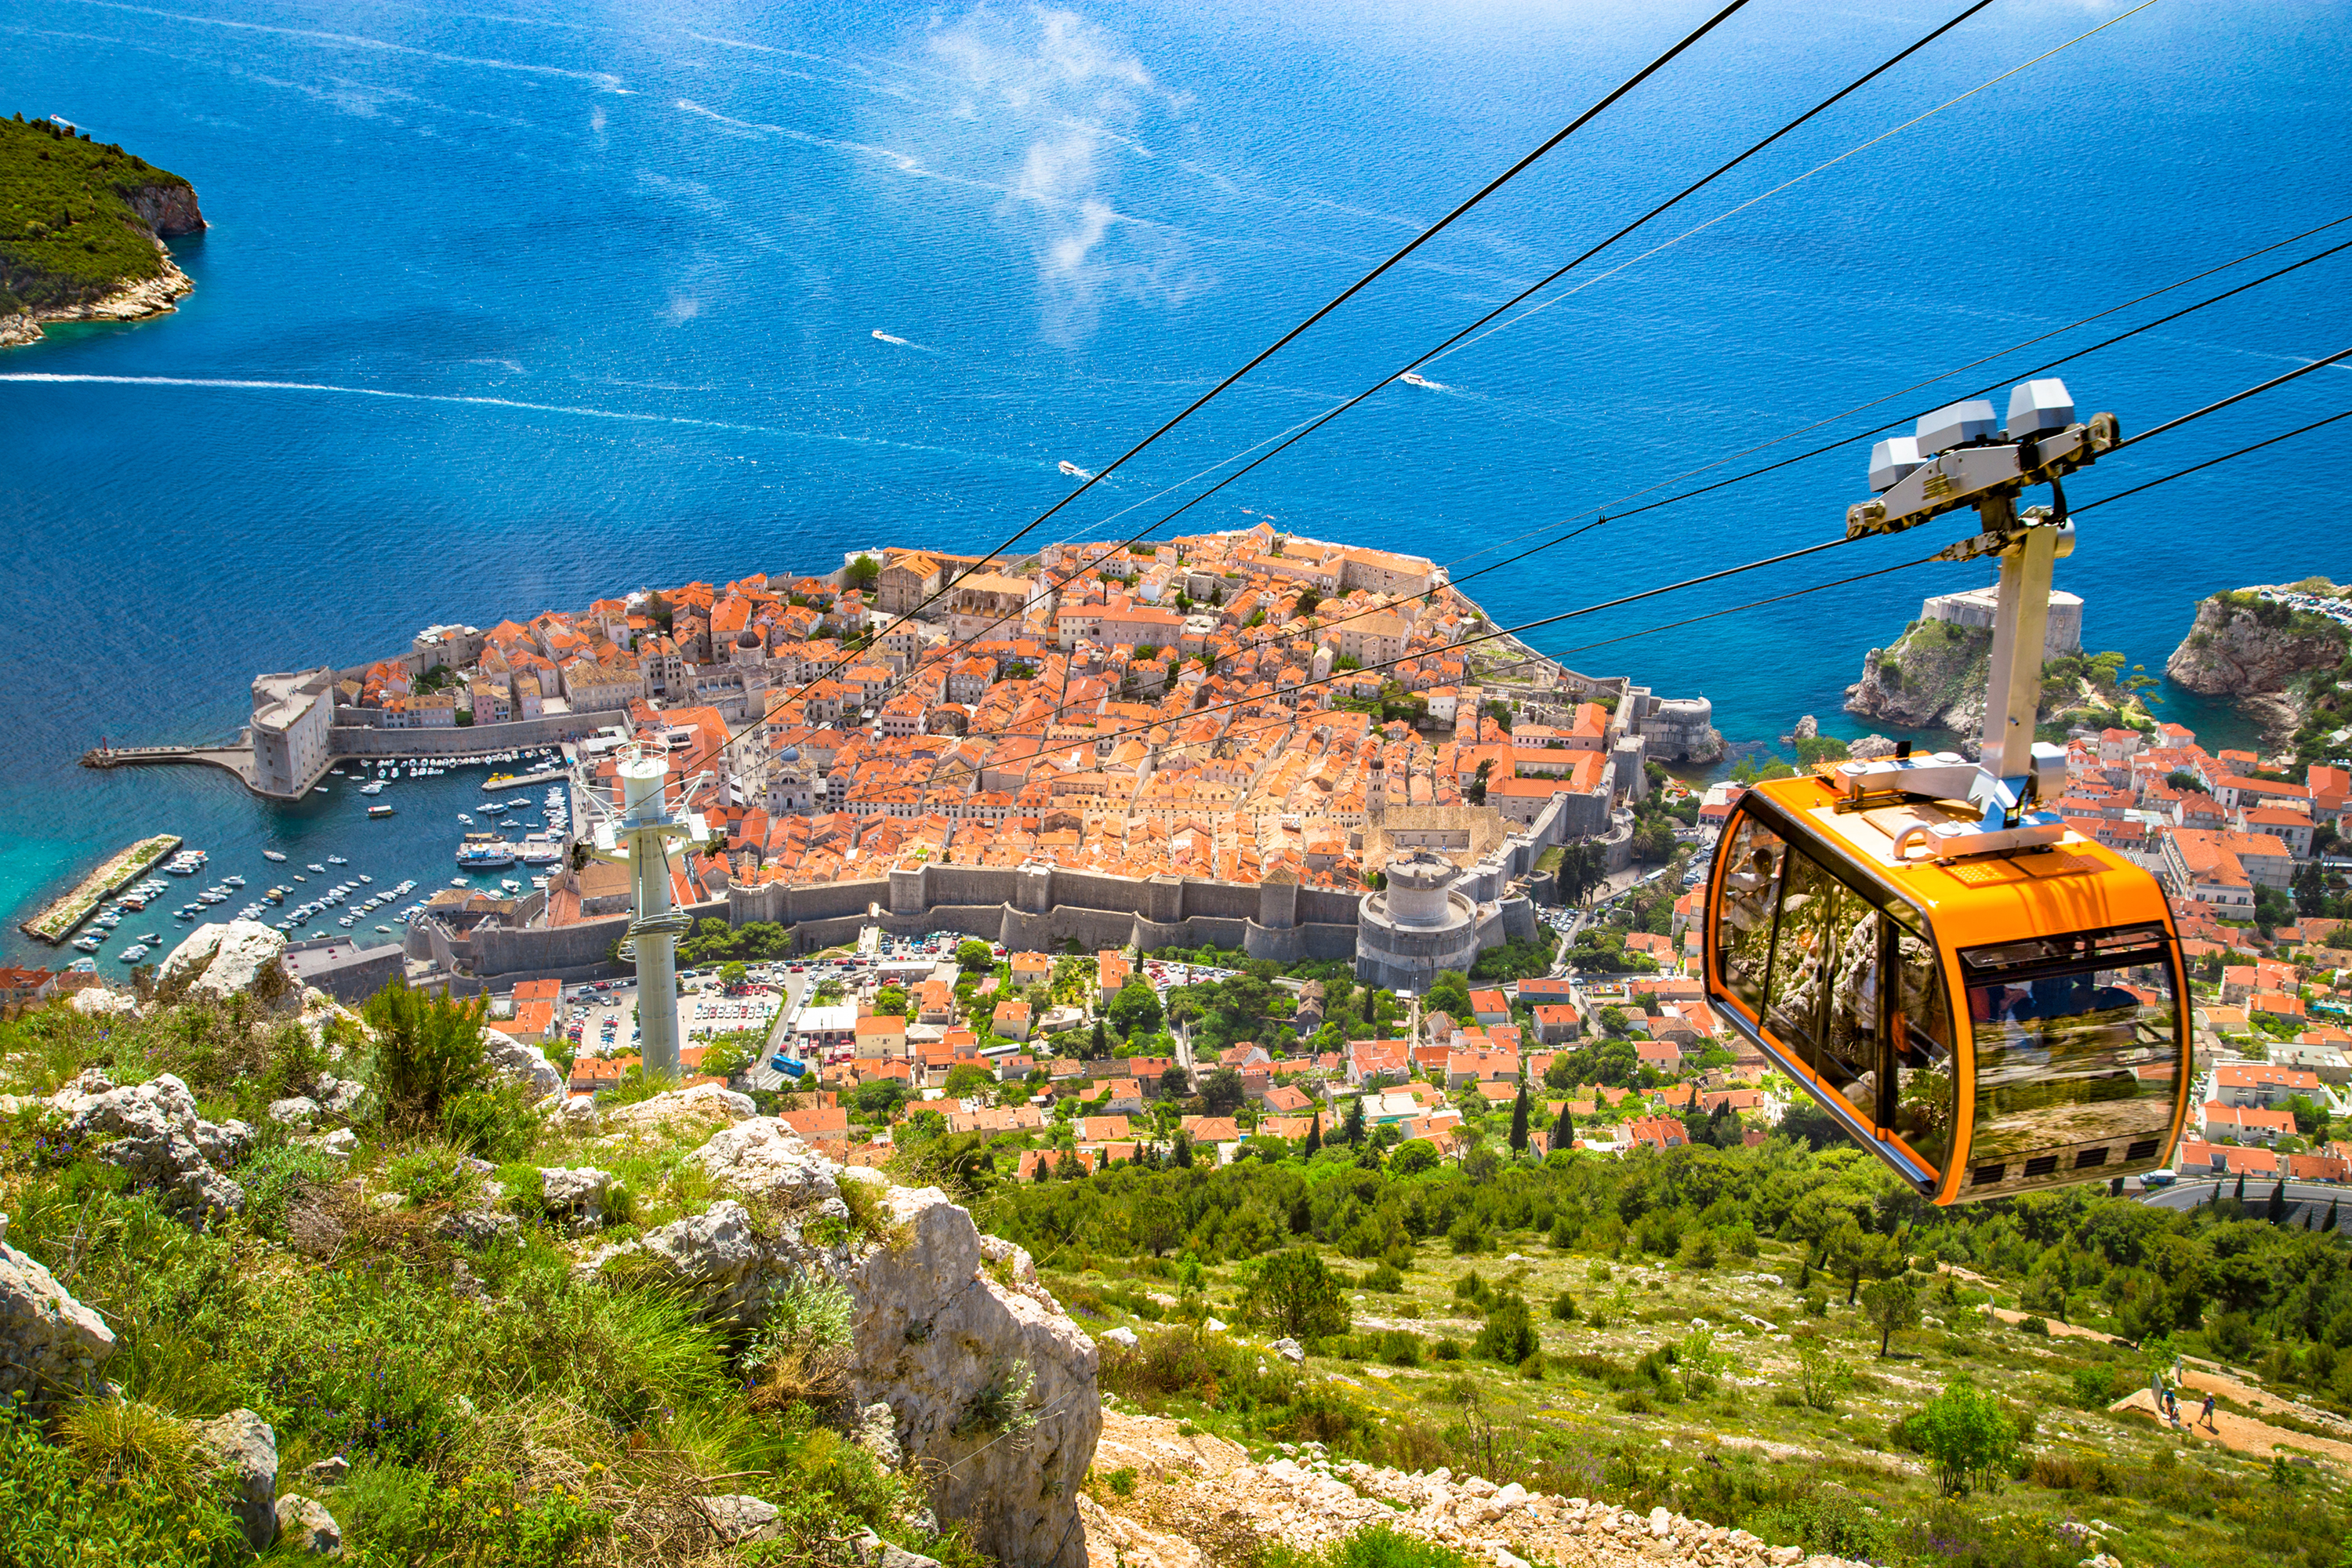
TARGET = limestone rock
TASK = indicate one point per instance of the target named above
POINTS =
(98, 1002)
(218, 962)
(297, 1111)
(327, 1472)
(1123, 1337)
(713, 1256)
(48, 1340)
(340, 1096)
(739, 1519)
(940, 1342)
(525, 1064)
(156, 1135)
(576, 1194)
(2244, 646)
(306, 1527)
(705, 1102)
(1808, 728)
(485, 1225)
(1870, 748)
(990, 1390)
(763, 1157)
(242, 1444)
(871, 1551)
(878, 1434)
(1289, 1349)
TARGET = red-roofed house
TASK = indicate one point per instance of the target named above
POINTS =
(2246, 1124)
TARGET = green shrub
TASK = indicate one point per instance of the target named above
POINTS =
(428, 1054)
(1447, 1348)
(1968, 1436)
(1297, 1294)
(1509, 1335)
(1385, 1279)
(1563, 1307)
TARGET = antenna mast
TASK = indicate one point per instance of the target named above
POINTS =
(639, 839)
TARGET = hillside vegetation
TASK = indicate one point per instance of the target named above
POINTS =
(70, 229)
(1766, 1337)
(395, 1308)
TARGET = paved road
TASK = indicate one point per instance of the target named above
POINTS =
(2315, 1196)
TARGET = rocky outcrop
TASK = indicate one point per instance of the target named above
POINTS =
(1210, 1495)
(989, 1389)
(680, 1109)
(218, 962)
(765, 1157)
(2245, 646)
(307, 1529)
(134, 300)
(524, 1064)
(151, 1130)
(50, 1342)
(1932, 678)
(241, 1445)
(170, 210)
(574, 1195)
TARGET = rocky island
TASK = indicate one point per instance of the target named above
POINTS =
(2275, 649)
(81, 229)
(1933, 676)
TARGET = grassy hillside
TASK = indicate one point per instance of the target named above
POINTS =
(494, 1409)
(1703, 1329)
(68, 232)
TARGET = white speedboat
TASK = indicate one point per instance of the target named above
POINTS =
(273, 855)
(337, 861)
(132, 953)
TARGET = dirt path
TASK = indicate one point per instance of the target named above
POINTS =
(2058, 1331)
(2243, 1432)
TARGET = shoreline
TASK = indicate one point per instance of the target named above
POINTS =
(137, 301)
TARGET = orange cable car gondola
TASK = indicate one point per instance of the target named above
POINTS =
(1985, 1000)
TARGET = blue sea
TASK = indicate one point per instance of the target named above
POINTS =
(508, 306)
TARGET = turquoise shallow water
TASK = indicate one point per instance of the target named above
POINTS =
(509, 308)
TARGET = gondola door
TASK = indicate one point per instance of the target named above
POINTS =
(1838, 982)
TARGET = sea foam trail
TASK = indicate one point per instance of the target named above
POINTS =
(223, 384)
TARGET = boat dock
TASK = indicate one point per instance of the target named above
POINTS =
(65, 915)
(524, 781)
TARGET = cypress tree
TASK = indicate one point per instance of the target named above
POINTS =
(1315, 1136)
(2276, 1213)
(1563, 1131)
(1520, 1121)
(1353, 1129)
(2239, 1197)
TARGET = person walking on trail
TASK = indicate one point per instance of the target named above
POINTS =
(2208, 1416)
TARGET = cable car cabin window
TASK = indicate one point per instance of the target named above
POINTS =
(2076, 1041)
(1886, 1053)
(1750, 887)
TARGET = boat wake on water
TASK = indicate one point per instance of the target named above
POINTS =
(882, 337)
(1413, 378)
(1075, 471)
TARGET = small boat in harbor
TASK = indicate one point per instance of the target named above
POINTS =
(278, 855)
(379, 812)
(1075, 471)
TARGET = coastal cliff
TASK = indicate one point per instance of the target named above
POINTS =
(1933, 677)
(2273, 650)
(2242, 644)
(81, 231)
(1930, 677)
